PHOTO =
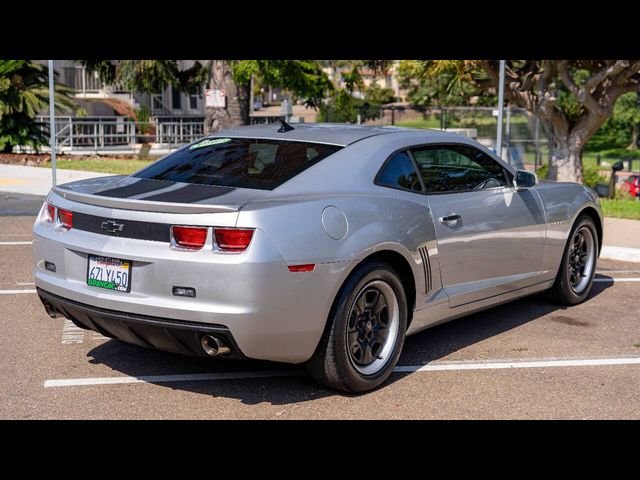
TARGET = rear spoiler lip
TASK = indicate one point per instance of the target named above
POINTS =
(143, 205)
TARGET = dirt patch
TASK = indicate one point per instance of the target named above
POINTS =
(29, 160)
(571, 321)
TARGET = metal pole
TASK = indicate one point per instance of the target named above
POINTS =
(508, 134)
(52, 125)
(500, 109)
(537, 145)
(251, 96)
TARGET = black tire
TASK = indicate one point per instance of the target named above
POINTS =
(332, 363)
(562, 291)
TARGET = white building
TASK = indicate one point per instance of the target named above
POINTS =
(100, 100)
(388, 79)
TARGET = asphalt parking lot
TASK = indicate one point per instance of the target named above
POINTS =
(526, 359)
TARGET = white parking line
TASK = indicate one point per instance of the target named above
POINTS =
(431, 367)
(491, 365)
(608, 272)
(195, 377)
(71, 333)
(616, 280)
(25, 283)
(13, 292)
(17, 243)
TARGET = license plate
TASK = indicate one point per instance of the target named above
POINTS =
(109, 273)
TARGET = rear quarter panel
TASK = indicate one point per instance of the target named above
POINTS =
(563, 202)
(386, 221)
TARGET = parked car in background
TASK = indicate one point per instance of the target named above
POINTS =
(631, 184)
(319, 244)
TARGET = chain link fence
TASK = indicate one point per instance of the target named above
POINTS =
(524, 139)
(525, 143)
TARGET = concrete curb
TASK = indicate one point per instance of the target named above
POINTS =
(623, 254)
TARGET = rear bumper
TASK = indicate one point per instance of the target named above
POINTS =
(270, 312)
(151, 332)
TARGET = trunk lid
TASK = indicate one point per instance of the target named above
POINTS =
(132, 193)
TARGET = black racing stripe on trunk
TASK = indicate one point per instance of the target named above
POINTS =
(190, 193)
(137, 188)
(158, 232)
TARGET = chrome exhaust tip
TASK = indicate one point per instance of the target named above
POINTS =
(213, 346)
(51, 310)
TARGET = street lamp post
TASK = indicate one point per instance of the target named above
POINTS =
(500, 109)
(52, 125)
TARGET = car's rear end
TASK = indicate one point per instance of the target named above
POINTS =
(158, 259)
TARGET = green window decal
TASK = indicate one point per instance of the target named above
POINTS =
(208, 142)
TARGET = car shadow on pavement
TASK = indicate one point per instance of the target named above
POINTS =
(421, 348)
(438, 342)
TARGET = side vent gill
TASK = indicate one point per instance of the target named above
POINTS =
(426, 266)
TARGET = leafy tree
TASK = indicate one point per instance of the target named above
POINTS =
(626, 117)
(571, 98)
(24, 92)
(446, 87)
(343, 107)
(621, 129)
(375, 94)
(303, 78)
(150, 76)
(429, 90)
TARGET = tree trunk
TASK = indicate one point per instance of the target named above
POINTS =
(635, 133)
(565, 160)
(566, 144)
(236, 111)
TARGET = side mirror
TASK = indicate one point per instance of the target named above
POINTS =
(524, 180)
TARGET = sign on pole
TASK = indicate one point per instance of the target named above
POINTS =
(215, 98)
(52, 124)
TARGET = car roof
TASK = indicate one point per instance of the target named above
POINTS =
(329, 133)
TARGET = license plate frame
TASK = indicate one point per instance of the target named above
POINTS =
(116, 262)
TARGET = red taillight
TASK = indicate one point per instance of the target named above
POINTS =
(65, 217)
(308, 267)
(233, 239)
(51, 211)
(192, 238)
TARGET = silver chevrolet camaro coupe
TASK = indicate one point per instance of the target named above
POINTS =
(320, 243)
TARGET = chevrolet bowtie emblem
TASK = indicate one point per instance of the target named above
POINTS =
(111, 226)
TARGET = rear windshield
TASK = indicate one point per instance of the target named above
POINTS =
(238, 162)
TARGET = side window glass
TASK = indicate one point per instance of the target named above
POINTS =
(458, 168)
(399, 172)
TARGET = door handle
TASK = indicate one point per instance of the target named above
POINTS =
(450, 218)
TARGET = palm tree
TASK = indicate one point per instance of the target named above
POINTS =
(24, 92)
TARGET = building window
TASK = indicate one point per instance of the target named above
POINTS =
(193, 102)
(156, 101)
(176, 99)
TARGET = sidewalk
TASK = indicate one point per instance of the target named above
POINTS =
(621, 240)
(36, 180)
(621, 237)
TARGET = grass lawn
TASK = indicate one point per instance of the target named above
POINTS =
(621, 208)
(119, 166)
(431, 122)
